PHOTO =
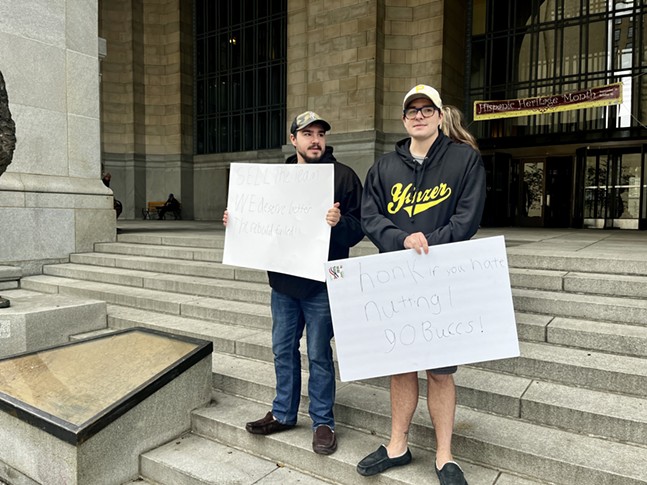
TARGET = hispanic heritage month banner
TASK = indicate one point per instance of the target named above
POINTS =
(586, 98)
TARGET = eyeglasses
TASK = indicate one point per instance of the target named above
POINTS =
(427, 112)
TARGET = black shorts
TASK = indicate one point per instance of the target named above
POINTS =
(444, 370)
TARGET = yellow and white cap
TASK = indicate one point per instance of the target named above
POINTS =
(423, 91)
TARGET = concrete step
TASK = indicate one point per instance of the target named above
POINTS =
(213, 241)
(212, 309)
(204, 269)
(594, 307)
(543, 415)
(231, 339)
(175, 252)
(575, 367)
(9, 277)
(582, 411)
(159, 290)
(593, 283)
(632, 286)
(193, 460)
(513, 447)
(476, 387)
(611, 337)
(629, 340)
(520, 257)
(537, 279)
(172, 283)
(508, 395)
(225, 422)
(595, 370)
(554, 260)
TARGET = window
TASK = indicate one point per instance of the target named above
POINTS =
(541, 47)
(240, 74)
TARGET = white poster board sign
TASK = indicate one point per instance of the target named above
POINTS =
(401, 311)
(277, 217)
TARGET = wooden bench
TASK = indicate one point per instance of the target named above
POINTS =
(152, 209)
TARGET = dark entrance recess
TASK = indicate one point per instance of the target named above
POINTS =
(528, 193)
(545, 192)
(559, 192)
(498, 210)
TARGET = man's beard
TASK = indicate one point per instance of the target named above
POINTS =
(309, 159)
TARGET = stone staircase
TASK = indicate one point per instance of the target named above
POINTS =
(571, 410)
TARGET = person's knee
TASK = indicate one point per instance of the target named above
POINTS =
(284, 346)
(406, 381)
(320, 353)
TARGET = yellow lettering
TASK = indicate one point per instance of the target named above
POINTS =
(423, 207)
(403, 198)
(399, 196)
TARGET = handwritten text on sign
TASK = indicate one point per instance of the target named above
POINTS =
(277, 217)
(401, 312)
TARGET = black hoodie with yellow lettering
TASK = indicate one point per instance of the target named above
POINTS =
(443, 197)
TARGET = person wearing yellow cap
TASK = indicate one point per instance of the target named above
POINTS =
(429, 191)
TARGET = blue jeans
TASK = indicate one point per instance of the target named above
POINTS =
(289, 317)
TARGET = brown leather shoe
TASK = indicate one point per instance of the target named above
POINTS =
(267, 425)
(324, 441)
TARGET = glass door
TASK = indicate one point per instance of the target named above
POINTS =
(532, 193)
(612, 189)
(627, 191)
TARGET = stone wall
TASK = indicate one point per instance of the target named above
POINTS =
(52, 200)
(147, 106)
(331, 62)
(352, 61)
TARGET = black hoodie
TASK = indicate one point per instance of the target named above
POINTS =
(347, 232)
(443, 197)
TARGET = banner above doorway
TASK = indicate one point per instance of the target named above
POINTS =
(586, 98)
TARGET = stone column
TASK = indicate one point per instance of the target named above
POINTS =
(52, 200)
(147, 92)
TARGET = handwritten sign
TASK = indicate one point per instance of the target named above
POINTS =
(401, 311)
(277, 217)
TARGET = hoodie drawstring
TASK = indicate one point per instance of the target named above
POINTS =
(417, 180)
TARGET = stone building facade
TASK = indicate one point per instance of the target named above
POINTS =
(349, 60)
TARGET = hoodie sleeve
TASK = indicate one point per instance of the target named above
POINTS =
(379, 229)
(465, 221)
(348, 231)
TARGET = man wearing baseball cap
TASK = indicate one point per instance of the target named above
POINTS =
(299, 303)
(428, 191)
